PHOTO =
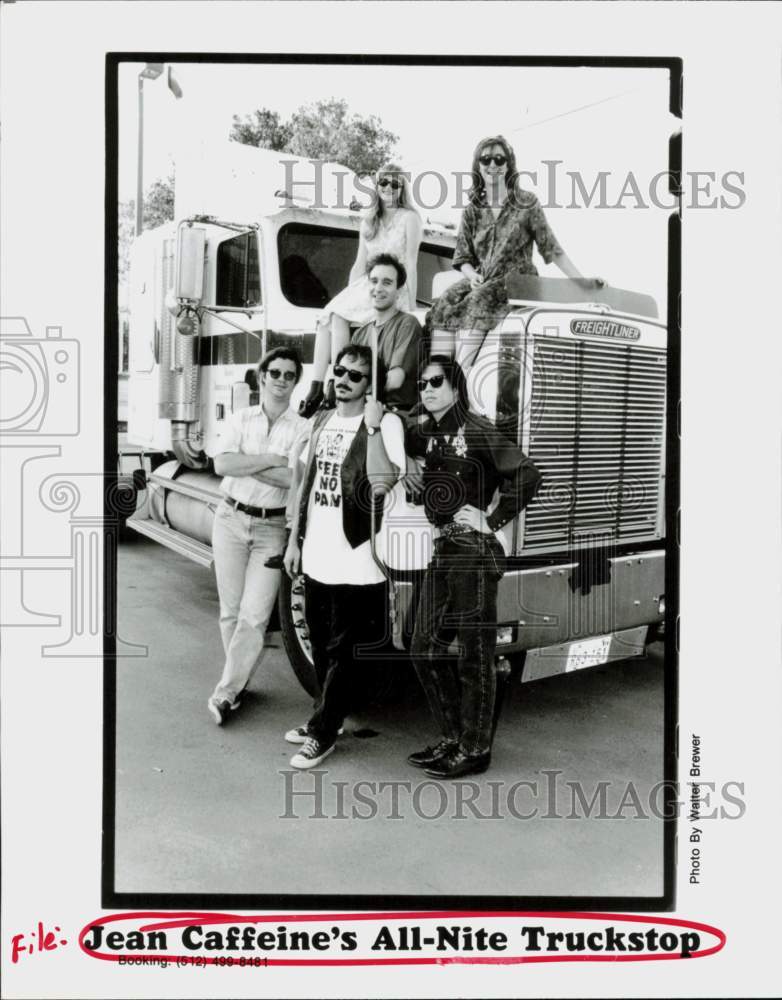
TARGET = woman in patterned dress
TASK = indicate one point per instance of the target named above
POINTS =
(392, 226)
(497, 232)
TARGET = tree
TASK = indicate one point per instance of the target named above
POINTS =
(158, 208)
(159, 203)
(262, 128)
(325, 130)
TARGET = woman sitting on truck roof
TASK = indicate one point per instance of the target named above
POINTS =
(496, 236)
(391, 226)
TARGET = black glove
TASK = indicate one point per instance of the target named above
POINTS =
(312, 400)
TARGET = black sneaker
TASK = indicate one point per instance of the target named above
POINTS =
(301, 734)
(431, 754)
(221, 708)
(311, 754)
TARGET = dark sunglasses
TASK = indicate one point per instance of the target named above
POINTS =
(498, 161)
(354, 376)
(276, 372)
(435, 381)
(387, 182)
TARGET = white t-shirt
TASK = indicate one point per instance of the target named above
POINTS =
(326, 555)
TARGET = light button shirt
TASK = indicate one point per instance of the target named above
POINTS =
(247, 433)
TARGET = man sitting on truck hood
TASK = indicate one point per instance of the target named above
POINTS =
(249, 526)
(396, 333)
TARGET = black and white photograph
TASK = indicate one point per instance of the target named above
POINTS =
(393, 371)
(378, 615)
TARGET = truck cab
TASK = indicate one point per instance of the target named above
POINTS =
(574, 374)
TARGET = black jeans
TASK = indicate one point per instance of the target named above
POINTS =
(341, 619)
(459, 601)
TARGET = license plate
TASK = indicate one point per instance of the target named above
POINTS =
(589, 653)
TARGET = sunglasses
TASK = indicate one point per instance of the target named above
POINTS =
(276, 372)
(387, 182)
(435, 381)
(498, 161)
(354, 376)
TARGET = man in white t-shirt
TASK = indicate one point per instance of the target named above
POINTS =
(254, 455)
(355, 451)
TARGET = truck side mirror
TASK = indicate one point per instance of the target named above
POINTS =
(191, 256)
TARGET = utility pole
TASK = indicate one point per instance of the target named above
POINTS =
(151, 71)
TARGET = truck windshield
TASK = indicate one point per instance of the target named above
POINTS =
(315, 263)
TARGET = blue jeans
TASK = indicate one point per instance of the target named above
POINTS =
(241, 544)
(458, 600)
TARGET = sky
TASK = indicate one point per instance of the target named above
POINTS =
(591, 119)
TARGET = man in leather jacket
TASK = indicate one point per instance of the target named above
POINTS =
(354, 451)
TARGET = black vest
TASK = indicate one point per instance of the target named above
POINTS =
(357, 500)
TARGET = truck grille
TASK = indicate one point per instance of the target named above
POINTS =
(597, 434)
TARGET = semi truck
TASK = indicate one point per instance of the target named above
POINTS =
(575, 374)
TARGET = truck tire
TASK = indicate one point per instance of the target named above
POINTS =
(290, 609)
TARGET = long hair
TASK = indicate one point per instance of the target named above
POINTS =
(376, 210)
(478, 189)
(456, 378)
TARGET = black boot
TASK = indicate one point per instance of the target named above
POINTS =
(312, 400)
(330, 397)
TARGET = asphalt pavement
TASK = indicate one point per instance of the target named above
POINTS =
(567, 807)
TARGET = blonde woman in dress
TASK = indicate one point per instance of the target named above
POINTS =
(392, 226)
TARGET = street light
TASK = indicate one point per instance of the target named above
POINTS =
(151, 71)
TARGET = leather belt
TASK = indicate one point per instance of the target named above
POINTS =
(452, 528)
(255, 511)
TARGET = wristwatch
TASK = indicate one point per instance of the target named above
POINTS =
(371, 430)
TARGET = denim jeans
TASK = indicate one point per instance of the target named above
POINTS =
(458, 600)
(241, 544)
(341, 619)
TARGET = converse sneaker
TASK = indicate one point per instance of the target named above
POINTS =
(302, 733)
(311, 754)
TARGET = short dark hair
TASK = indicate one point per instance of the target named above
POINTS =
(283, 354)
(362, 352)
(389, 260)
(455, 377)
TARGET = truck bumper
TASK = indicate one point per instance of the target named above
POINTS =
(549, 606)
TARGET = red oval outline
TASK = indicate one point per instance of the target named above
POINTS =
(185, 919)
